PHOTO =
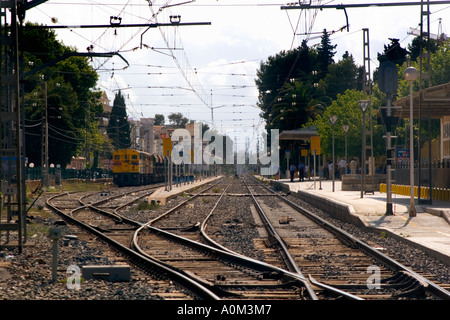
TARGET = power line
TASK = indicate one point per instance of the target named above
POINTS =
(360, 5)
(186, 70)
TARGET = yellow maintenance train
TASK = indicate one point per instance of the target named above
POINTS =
(135, 168)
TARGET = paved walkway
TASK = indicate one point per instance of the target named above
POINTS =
(161, 195)
(429, 229)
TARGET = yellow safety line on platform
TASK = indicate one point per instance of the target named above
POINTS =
(424, 228)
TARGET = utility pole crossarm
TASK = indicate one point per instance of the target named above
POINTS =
(128, 25)
(33, 3)
(360, 5)
(23, 6)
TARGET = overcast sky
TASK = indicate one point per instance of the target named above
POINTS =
(215, 64)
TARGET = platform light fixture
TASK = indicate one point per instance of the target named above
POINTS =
(363, 104)
(333, 120)
(345, 127)
(411, 74)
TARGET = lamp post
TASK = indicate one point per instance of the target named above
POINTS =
(411, 74)
(363, 104)
(333, 120)
(345, 128)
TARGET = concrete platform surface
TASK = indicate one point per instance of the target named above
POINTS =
(428, 230)
(162, 195)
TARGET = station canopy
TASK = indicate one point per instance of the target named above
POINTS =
(302, 134)
(435, 99)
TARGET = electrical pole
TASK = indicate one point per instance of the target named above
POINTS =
(388, 83)
(21, 214)
(12, 17)
(44, 147)
(424, 82)
(367, 88)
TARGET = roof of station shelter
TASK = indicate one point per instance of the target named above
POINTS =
(299, 134)
(437, 98)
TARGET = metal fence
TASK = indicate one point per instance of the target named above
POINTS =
(66, 174)
(440, 173)
(425, 164)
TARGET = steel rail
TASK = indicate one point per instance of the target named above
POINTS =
(298, 275)
(205, 223)
(214, 248)
(224, 255)
(430, 286)
(181, 204)
(200, 288)
(115, 215)
(289, 259)
(273, 235)
(196, 288)
(145, 188)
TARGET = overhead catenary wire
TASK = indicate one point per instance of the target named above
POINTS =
(112, 8)
(186, 70)
(154, 80)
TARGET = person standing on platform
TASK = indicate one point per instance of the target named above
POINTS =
(301, 172)
(292, 170)
(342, 167)
(330, 169)
(353, 167)
(326, 174)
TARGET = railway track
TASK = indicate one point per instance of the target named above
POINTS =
(228, 269)
(226, 273)
(114, 230)
(190, 245)
(334, 259)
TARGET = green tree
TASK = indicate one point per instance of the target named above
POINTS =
(96, 144)
(342, 76)
(159, 119)
(316, 85)
(178, 120)
(292, 108)
(71, 99)
(205, 128)
(440, 67)
(325, 52)
(118, 127)
(414, 47)
(394, 52)
(347, 109)
(277, 72)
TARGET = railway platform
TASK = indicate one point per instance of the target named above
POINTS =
(429, 230)
(162, 195)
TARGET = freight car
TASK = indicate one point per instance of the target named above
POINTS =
(135, 168)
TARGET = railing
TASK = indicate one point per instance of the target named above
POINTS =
(66, 174)
(425, 164)
(439, 171)
(442, 194)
